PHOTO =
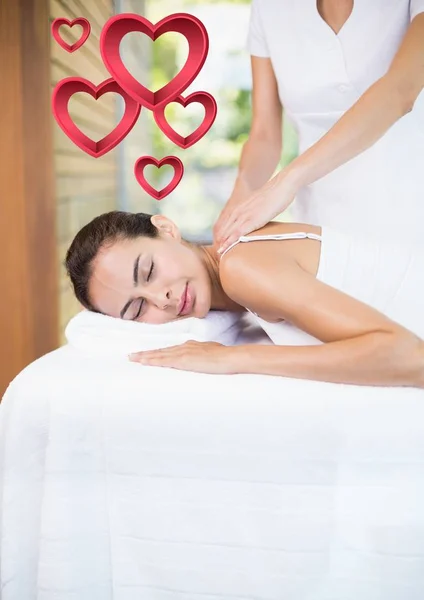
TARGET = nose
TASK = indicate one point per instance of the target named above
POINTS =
(162, 299)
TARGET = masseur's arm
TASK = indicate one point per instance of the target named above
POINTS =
(262, 150)
(361, 345)
(386, 101)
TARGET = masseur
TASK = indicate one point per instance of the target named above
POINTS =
(348, 74)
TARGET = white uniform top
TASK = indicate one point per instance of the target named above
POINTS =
(320, 75)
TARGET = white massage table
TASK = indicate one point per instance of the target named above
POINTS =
(123, 482)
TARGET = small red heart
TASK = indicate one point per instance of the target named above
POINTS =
(203, 98)
(86, 28)
(119, 25)
(173, 161)
(60, 100)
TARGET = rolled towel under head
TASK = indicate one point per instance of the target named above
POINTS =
(95, 333)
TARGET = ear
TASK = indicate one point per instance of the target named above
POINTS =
(167, 228)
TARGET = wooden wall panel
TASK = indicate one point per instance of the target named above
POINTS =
(28, 276)
(85, 186)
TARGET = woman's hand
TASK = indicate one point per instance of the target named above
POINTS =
(201, 357)
(256, 211)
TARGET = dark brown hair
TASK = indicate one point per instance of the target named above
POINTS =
(100, 232)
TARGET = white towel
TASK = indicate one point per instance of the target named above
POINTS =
(102, 335)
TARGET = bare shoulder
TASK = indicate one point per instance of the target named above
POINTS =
(267, 256)
(248, 271)
(251, 273)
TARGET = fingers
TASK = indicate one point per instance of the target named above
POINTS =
(163, 356)
(242, 226)
(243, 220)
(160, 357)
(157, 360)
(222, 224)
(228, 214)
(146, 359)
(231, 227)
(230, 218)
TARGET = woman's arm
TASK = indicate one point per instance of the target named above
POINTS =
(361, 345)
(384, 103)
(371, 359)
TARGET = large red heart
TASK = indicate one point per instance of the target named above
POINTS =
(173, 161)
(86, 28)
(70, 86)
(188, 25)
(208, 102)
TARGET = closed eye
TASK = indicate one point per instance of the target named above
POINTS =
(151, 271)
(142, 302)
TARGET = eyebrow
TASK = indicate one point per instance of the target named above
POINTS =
(135, 280)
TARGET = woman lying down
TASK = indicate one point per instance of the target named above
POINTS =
(363, 300)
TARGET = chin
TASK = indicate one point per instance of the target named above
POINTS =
(204, 310)
(199, 310)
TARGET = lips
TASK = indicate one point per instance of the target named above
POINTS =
(183, 300)
(186, 302)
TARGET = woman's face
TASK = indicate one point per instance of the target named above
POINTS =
(149, 280)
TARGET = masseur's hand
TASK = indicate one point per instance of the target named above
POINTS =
(202, 357)
(240, 194)
(257, 210)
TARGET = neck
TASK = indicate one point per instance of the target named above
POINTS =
(219, 299)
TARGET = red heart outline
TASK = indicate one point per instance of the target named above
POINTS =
(173, 161)
(86, 29)
(188, 25)
(209, 104)
(60, 100)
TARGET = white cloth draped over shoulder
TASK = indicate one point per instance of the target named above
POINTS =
(320, 75)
